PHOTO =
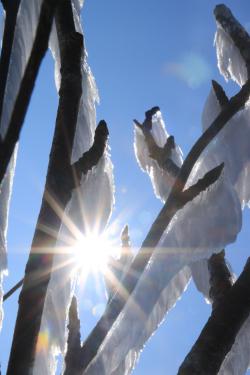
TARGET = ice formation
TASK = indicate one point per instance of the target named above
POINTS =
(161, 180)
(83, 213)
(25, 31)
(230, 62)
(5, 194)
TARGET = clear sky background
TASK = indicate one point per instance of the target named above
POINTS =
(142, 53)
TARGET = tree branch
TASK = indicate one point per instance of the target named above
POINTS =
(39, 49)
(219, 333)
(220, 94)
(221, 279)
(74, 340)
(57, 193)
(162, 155)
(98, 334)
(11, 10)
(91, 157)
(236, 32)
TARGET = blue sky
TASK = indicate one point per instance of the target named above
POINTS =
(142, 54)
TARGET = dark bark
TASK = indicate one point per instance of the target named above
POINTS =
(95, 339)
(13, 290)
(219, 333)
(221, 279)
(39, 49)
(11, 10)
(58, 188)
(220, 94)
(74, 341)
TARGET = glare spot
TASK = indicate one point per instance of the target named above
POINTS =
(192, 68)
(43, 341)
(98, 310)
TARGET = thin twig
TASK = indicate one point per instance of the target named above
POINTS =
(74, 340)
(13, 290)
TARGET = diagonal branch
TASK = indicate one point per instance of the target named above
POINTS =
(39, 49)
(97, 336)
(218, 335)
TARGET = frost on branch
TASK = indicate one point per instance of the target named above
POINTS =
(83, 214)
(162, 180)
(231, 147)
(5, 194)
(230, 61)
(185, 241)
(25, 31)
(232, 46)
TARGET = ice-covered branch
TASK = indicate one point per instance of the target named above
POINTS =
(91, 157)
(74, 340)
(58, 190)
(118, 267)
(23, 73)
(219, 333)
(170, 208)
(239, 38)
(11, 10)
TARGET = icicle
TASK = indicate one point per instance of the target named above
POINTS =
(230, 61)
(5, 195)
(25, 31)
(83, 213)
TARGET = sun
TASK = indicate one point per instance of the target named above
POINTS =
(92, 253)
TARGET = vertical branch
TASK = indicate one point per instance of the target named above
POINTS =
(11, 10)
(220, 277)
(59, 184)
(74, 341)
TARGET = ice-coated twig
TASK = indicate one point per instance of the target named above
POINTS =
(237, 33)
(91, 157)
(39, 49)
(162, 155)
(11, 10)
(74, 340)
(219, 333)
